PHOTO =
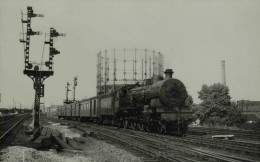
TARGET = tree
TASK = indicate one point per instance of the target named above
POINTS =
(215, 101)
(190, 105)
(216, 106)
(189, 101)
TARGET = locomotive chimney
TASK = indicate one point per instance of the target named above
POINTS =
(168, 73)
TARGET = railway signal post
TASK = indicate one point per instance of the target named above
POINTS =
(34, 71)
(67, 101)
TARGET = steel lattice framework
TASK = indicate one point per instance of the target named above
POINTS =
(34, 72)
(118, 67)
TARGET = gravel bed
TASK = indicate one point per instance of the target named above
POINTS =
(93, 151)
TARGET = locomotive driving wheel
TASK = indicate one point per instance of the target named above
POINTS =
(147, 128)
(113, 122)
(131, 124)
(141, 127)
(162, 127)
(182, 129)
(125, 124)
(134, 125)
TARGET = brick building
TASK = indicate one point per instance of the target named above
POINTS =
(250, 108)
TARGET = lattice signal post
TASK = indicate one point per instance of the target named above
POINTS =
(67, 101)
(34, 72)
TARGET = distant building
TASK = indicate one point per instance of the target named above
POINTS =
(249, 108)
(51, 110)
(43, 109)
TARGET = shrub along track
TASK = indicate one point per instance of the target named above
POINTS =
(164, 147)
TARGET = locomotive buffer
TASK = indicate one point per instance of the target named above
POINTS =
(34, 72)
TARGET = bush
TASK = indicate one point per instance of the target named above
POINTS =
(216, 107)
(251, 126)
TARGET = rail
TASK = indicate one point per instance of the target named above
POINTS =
(162, 149)
(10, 129)
(170, 148)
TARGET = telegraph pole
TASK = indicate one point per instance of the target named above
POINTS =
(34, 72)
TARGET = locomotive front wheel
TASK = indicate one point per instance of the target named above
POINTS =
(183, 129)
(147, 128)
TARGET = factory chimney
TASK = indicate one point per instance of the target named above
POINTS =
(223, 73)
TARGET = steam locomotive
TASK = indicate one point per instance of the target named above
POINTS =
(158, 106)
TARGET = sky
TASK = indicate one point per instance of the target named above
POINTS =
(193, 35)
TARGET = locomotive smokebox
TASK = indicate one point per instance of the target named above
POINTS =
(168, 73)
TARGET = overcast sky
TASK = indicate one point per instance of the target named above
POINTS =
(193, 35)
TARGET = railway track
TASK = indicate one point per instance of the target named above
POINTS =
(8, 125)
(7, 117)
(245, 134)
(251, 149)
(234, 147)
(161, 149)
(229, 145)
(158, 147)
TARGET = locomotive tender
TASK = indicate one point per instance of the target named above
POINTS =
(159, 106)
